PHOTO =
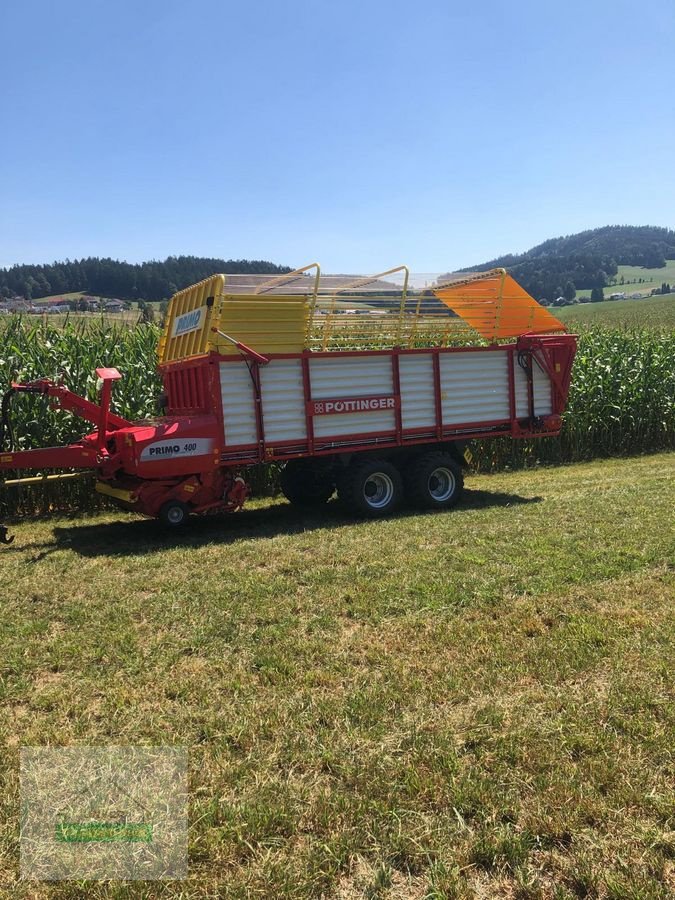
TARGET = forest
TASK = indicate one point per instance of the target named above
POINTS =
(154, 280)
(587, 260)
(556, 268)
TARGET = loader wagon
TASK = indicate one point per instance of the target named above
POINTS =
(371, 387)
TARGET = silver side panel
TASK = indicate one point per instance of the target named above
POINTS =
(542, 391)
(416, 376)
(236, 390)
(283, 401)
(348, 377)
(474, 387)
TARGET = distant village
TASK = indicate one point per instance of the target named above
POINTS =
(62, 305)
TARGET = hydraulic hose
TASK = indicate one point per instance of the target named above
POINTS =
(5, 422)
(6, 429)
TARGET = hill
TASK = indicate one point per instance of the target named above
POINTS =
(153, 280)
(563, 265)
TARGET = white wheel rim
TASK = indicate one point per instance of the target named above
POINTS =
(378, 490)
(175, 515)
(441, 484)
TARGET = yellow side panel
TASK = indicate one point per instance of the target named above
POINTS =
(268, 324)
(188, 321)
(498, 307)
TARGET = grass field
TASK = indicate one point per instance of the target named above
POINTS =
(651, 278)
(126, 317)
(73, 295)
(653, 312)
(470, 704)
(634, 273)
(78, 294)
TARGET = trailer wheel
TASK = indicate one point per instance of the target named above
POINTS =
(174, 514)
(371, 487)
(306, 485)
(434, 481)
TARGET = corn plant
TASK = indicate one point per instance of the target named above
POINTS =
(30, 350)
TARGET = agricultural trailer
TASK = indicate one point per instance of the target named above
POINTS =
(371, 387)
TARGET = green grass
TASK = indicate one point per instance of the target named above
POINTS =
(651, 278)
(652, 312)
(476, 703)
(73, 295)
(128, 317)
(634, 273)
(77, 295)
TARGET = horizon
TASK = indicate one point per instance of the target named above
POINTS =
(413, 272)
(346, 148)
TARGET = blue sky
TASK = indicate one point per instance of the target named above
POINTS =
(361, 134)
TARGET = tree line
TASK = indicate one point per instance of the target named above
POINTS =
(154, 280)
(557, 268)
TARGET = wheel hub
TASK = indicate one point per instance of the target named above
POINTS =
(441, 484)
(175, 515)
(378, 490)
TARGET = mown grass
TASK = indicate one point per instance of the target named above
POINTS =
(470, 704)
(665, 273)
(632, 274)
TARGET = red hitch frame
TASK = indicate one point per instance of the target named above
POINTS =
(85, 454)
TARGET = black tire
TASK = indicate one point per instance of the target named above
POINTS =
(174, 514)
(371, 487)
(434, 481)
(304, 484)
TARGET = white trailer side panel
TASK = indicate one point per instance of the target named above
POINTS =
(474, 387)
(236, 391)
(416, 377)
(283, 401)
(349, 377)
(542, 391)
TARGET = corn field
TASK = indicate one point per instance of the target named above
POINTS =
(622, 399)
(30, 350)
(621, 402)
